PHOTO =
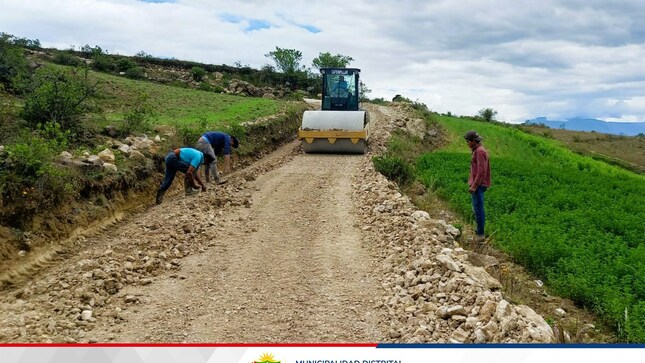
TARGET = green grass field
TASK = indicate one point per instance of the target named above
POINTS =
(625, 151)
(175, 105)
(576, 222)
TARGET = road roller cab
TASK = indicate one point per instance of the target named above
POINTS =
(340, 126)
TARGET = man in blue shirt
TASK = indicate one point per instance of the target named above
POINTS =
(187, 160)
(213, 143)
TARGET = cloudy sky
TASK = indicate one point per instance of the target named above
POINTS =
(560, 59)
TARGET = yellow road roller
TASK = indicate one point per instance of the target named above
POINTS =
(340, 126)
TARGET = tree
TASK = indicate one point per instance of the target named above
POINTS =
(488, 114)
(14, 68)
(21, 42)
(327, 60)
(142, 54)
(286, 60)
(399, 98)
(364, 91)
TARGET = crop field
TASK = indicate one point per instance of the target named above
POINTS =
(576, 222)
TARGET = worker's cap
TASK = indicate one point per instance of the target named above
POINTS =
(472, 135)
(236, 143)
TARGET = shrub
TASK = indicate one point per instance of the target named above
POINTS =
(66, 58)
(399, 98)
(125, 64)
(14, 69)
(57, 138)
(198, 73)
(60, 96)
(203, 86)
(139, 117)
(28, 179)
(190, 133)
(238, 131)
(394, 168)
(135, 73)
(379, 101)
(103, 63)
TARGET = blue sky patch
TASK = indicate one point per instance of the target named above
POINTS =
(231, 18)
(309, 28)
(158, 1)
(252, 24)
(255, 24)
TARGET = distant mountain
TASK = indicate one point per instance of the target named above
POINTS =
(592, 124)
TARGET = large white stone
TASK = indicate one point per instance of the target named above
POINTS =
(95, 160)
(420, 215)
(448, 262)
(482, 277)
(539, 329)
(503, 310)
(137, 155)
(124, 148)
(110, 167)
(107, 156)
(86, 314)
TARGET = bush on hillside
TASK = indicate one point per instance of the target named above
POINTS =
(60, 96)
(189, 133)
(399, 98)
(124, 64)
(103, 63)
(203, 86)
(14, 68)
(66, 58)
(135, 73)
(198, 73)
(139, 117)
(28, 179)
(378, 101)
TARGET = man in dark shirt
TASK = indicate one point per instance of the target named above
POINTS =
(213, 143)
(478, 180)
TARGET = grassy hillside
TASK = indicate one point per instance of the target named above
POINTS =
(35, 181)
(175, 105)
(573, 221)
(625, 151)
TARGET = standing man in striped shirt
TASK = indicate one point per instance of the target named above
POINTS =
(478, 180)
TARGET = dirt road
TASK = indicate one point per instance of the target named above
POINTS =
(295, 248)
(272, 256)
(291, 268)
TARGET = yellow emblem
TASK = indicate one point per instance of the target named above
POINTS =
(267, 358)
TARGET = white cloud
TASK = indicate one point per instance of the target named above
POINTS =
(525, 59)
